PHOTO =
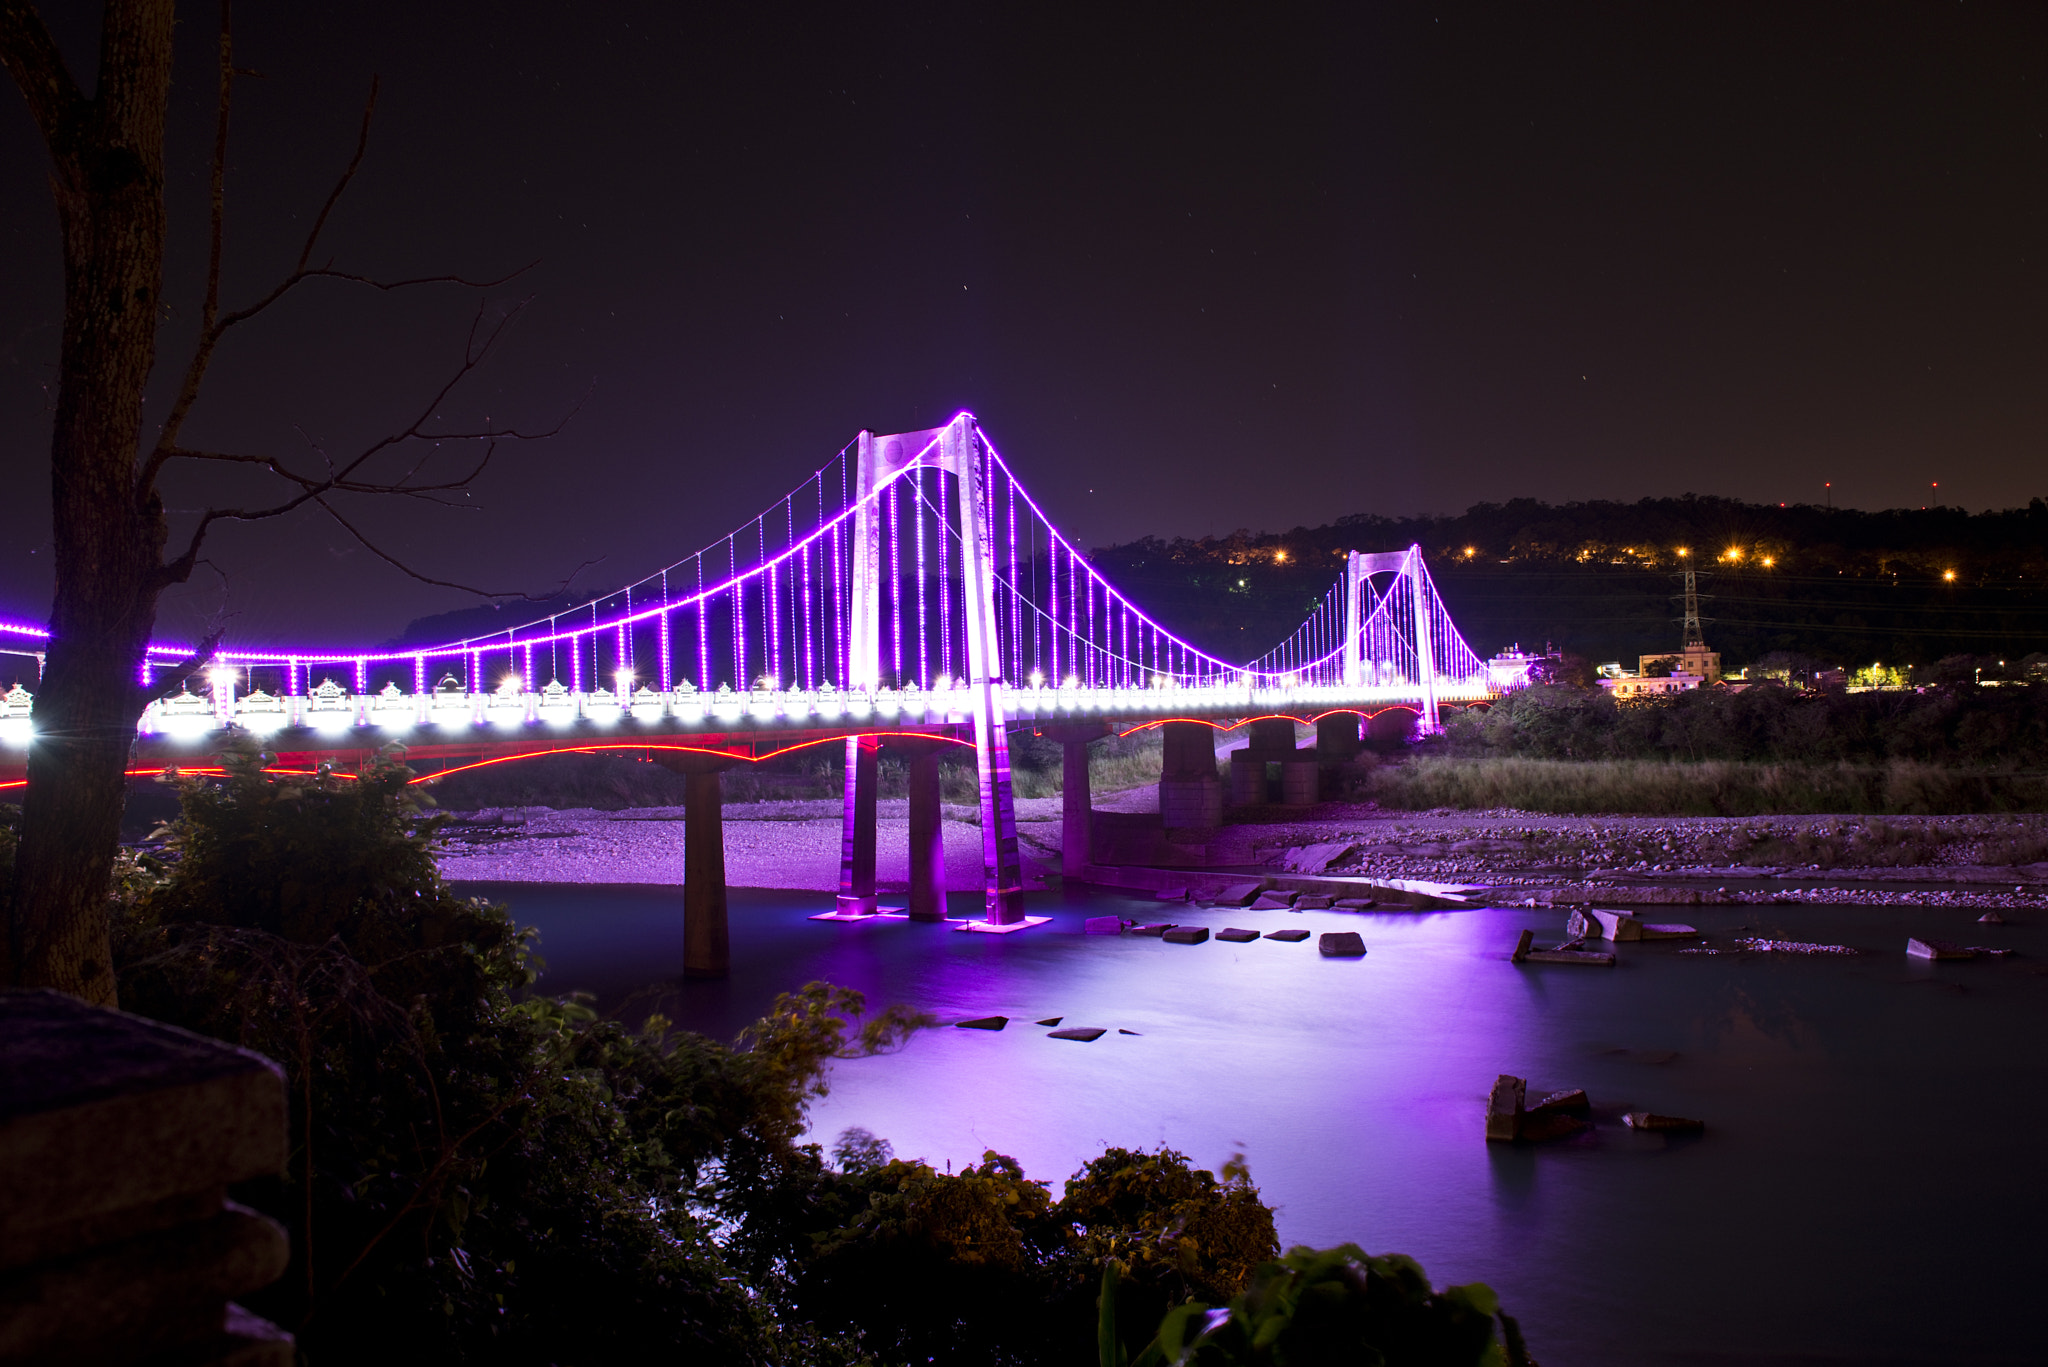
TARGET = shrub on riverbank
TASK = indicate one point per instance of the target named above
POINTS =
(1707, 788)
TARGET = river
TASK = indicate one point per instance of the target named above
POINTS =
(1869, 1188)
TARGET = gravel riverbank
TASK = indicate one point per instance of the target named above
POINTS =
(1995, 861)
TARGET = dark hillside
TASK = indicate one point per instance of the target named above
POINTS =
(1904, 586)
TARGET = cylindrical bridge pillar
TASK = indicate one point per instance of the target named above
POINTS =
(707, 939)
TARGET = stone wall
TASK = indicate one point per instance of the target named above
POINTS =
(119, 1138)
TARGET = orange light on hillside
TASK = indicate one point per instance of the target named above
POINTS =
(1769, 561)
(1683, 552)
(1949, 576)
(1280, 557)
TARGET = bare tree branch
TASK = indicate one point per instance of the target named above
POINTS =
(183, 669)
(410, 572)
(213, 325)
(31, 57)
(342, 479)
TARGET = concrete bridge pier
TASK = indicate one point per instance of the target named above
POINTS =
(1077, 811)
(1337, 744)
(857, 831)
(1190, 794)
(927, 829)
(707, 940)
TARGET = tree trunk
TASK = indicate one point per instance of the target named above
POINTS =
(107, 180)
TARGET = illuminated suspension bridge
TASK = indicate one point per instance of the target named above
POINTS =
(911, 593)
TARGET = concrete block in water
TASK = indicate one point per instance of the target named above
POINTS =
(1938, 949)
(1237, 935)
(1085, 1034)
(1615, 925)
(1186, 935)
(1238, 895)
(1311, 902)
(1668, 1124)
(1103, 925)
(983, 1023)
(1567, 1101)
(1354, 904)
(1668, 932)
(1504, 1109)
(1156, 929)
(1341, 944)
(1292, 937)
(1590, 958)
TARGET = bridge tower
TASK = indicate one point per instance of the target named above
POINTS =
(1407, 565)
(956, 449)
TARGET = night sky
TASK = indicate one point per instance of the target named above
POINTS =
(1195, 267)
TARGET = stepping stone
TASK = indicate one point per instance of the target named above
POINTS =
(1669, 1124)
(1156, 929)
(1274, 901)
(1668, 932)
(1237, 935)
(1312, 902)
(1052, 1020)
(1292, 937)
(1237, 895)
(1354, 904)
(1341, 944)
(1522, 945)
(1103, 925)
(1126, 1032)
(1990, 918)
(1085, 1034)
(984, 1023)
(1938, 949)
(1504, 1108)
(1573, 1100)
(1186, 935)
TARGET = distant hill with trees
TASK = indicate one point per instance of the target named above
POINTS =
(1905, 586)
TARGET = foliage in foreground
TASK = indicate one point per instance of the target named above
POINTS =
(1316, 1306)
(485, 1175)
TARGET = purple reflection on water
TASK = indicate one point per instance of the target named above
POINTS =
(1868, 1187)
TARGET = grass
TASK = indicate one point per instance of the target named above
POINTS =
(1708, 788)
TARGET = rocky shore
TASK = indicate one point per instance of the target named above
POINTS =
(1989, 861)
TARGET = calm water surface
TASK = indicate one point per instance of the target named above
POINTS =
(1870, 1188)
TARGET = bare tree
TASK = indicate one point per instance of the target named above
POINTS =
(110, 531)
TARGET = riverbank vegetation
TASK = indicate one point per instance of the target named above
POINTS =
(481, 1174)
(1718, 752)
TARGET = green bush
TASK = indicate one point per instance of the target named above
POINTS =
(1328, 1306)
